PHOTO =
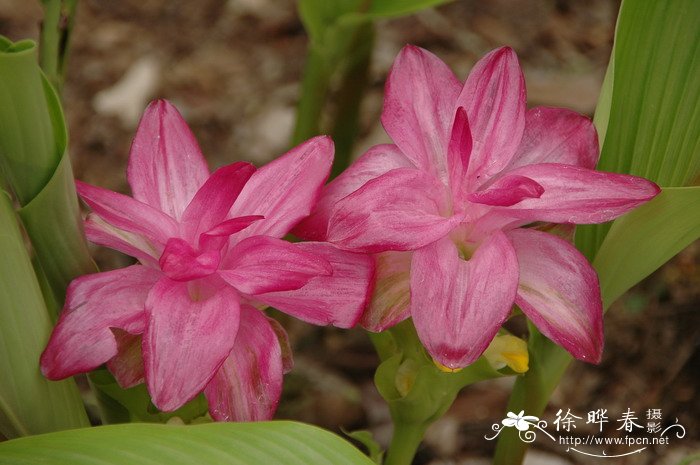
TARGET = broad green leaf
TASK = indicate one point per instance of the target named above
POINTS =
(33, 141)
(653, 127)
(268, 443)
(646, 238)
(654, 110)
(602, 109)
(29, 152)
(29, 403)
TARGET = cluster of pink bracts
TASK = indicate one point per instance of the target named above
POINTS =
(450, 225)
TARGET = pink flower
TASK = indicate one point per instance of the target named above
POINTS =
(450, 210)
(210, 252)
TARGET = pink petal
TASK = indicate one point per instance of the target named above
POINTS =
(82, 339)
(419, 107)
(128, 214)
(457, 305)
(248, 385)
(191, 330)
(400, 210)
(508, 190)
(217, 236)
(375, 162)
(559, 292)
(338, 299)
(214, 199)
(285, 190)
(100, 232)
(166, 167)
(181, 262)
(579, 195)
(391, 298)
(494, 96)
(458, 154)
(127, 365)
(285, 346)
(262, 264)
(557, 135)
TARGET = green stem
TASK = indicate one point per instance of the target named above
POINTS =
(314, 87)
(404, 444)
(56, 30)
(50, 40)
(346, 122)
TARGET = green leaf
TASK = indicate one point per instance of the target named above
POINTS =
(269, 443)
(653, 127)
(55, 228)
(654, 110)
(33, 141)
(646, 238)
(376, 454)
(29, 403)
(29, 152)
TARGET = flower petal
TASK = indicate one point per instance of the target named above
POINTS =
(507, 190)
(400, 210)
(557, 135)
(494, 96)
(375, 162)
(457, 305)
(458, 153)
(285, 190)
(128, 214)
(214, 199)
(181, 262)
(82, 339)
(559, 292)
(391, 298)
(191, 330)
(338, 299)
(419, 107)
(248, 385)
(262, 264)
(127, 365)
(285, 346)
(102, 233)
(579, 195)
(166, 167)
(217, 236)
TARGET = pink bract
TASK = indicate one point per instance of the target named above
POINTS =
(451, 209)
(211, 254)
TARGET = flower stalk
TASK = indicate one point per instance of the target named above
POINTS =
(417, 391)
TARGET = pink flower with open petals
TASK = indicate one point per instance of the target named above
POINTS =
(450, 209)
(186, 318)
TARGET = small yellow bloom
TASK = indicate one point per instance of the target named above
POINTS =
(508, 350)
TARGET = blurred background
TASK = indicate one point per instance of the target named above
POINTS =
(233, 68)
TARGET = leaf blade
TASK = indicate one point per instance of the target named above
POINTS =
(661, 228)
(277, 442)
